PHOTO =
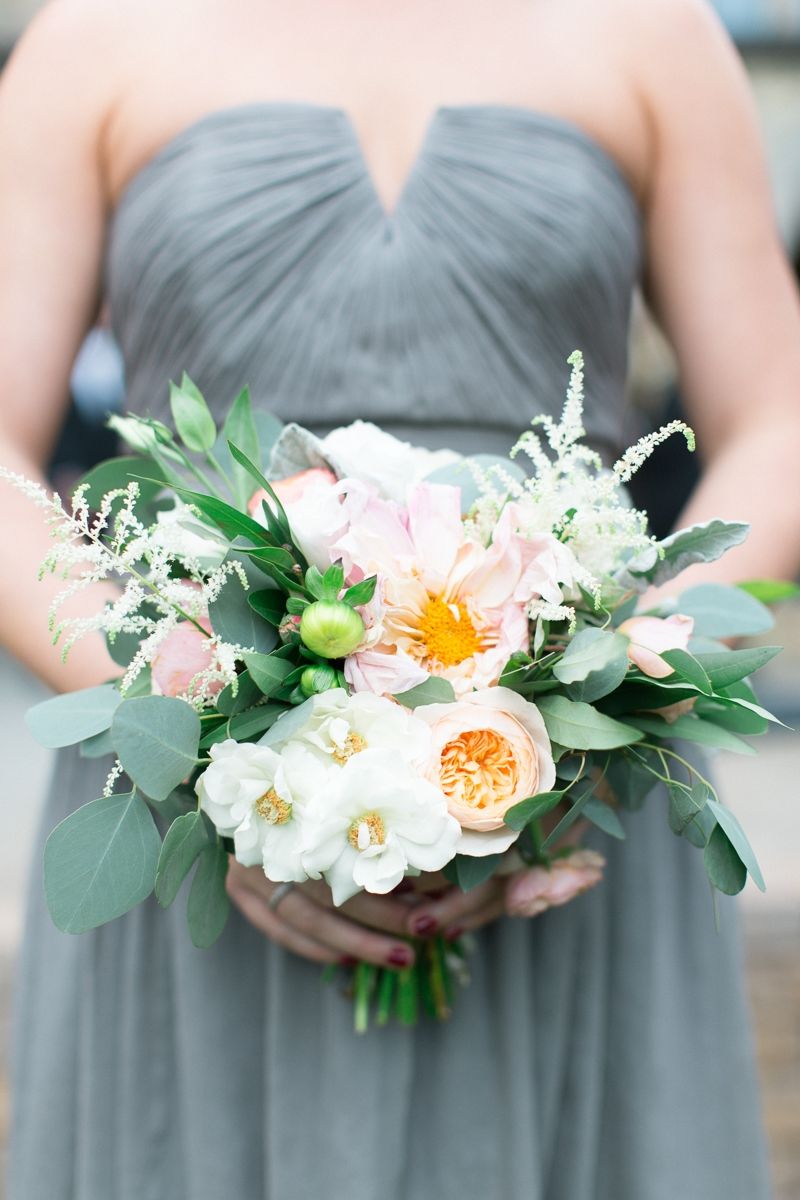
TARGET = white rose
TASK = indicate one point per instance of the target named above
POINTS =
(336, 726)
(363, 451)
(258, 798)
(378, 821)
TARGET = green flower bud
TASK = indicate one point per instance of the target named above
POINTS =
(315, 680)
(331, 629)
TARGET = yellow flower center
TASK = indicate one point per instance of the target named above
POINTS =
(448, 632)
(272, 809)
(354, 743)
(368, 830)
(478, 768)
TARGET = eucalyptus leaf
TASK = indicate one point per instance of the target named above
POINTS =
(687, 667)
(100, 861)
(267, 671)
(156, 739)
(193, 420)
(186, 838)
(73, 717)
(729, 666)
(208, 905)
(721, 611)
(589, 651)
(532, 809)
(581, 727)
(471, 871)
(579, 797)
(631, 777)
(118, 473)
(234, 699)
(738, 839)
(236, 621)
(736, 720)
(723, 865)
(692, 729)
(689, 815)
(434, 690)
(604, 817)
(254, 721)
(98, 746)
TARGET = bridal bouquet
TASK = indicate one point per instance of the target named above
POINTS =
(357, 660)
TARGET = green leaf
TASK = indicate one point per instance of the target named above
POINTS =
(118, 473)
(434, 690)
(687, 667)
(267, 671)
(580, 727)
(631, 777)
(692, 729)
(247, 694)
(723, 865)
(98, 746)
(738, 839)
(193, 421)
(604, 817)
(254, 721)
(697, 543)
(471, 872)
(214, 732)
(770, 591)
(590, 651)
(232, 522)
(126, 645)
(100, 861)
(186, 838)
(208, 904)
(255, 473)
(73, 717)
(689, 815)
(156, 739)
(532, 809)
(236, 621)
(361, 593)
(333, 581)
(737, 720)
(729, 666)
(240, 428)
(269, 603)
(720, 611)
(579, 798)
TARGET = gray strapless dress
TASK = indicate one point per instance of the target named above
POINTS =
(601, 1051)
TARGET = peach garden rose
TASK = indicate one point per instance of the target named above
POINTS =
(490, 750)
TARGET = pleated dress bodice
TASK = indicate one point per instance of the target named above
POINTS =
(254, 248)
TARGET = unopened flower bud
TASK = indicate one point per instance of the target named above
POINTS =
(315, 680)
(331, 629)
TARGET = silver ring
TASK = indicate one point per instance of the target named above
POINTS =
(280, 893)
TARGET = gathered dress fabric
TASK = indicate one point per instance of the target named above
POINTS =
(601, 1051)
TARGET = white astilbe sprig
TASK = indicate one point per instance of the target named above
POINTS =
(159, 585)
(571, 494)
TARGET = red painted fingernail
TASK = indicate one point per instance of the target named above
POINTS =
(347, 960)
(401, 956)
(424, 926)
(452, 935)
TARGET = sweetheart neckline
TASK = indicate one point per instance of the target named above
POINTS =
(537, 117)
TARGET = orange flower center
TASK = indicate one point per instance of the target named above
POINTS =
(448, 632)
(354, 743)
(478, 768)
(368, 830)
(272, 809)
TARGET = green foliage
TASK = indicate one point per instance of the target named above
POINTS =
(118, 473)
(687, 667)
(186, 838)
(73, 717)
(469, 872)
(269, 603)
(729, 666)
(240, 428)
(361, 593)
(689, 815)
(156, 739)
(98, 746)
(594, 663)
(738, 839)
(581, 727)
(208, 905)
(692, 729)
(267, 671)
(723, 865)
(244, 696)
(720, 611)
(100, 861)
(532, 809)
(236, 621)
(434, 690)
(770, 591)
(191, 415)
(604, 817)
(277, 521)
(698, 543)
(578, 796)
(246, 725)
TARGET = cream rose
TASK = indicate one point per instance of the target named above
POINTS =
(490, 750)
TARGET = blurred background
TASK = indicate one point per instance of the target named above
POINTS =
(763, 791)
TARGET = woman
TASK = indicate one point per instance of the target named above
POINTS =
(413, 214)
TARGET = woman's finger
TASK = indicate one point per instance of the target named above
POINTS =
(385, 913)
(452, 909)
(338, 932)
(257, 911)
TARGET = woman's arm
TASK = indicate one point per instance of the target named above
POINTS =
(52, 211)
(720, 284)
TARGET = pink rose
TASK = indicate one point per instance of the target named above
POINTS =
(183, 654)
(293, 488)
(651, 636)
(531, 892)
